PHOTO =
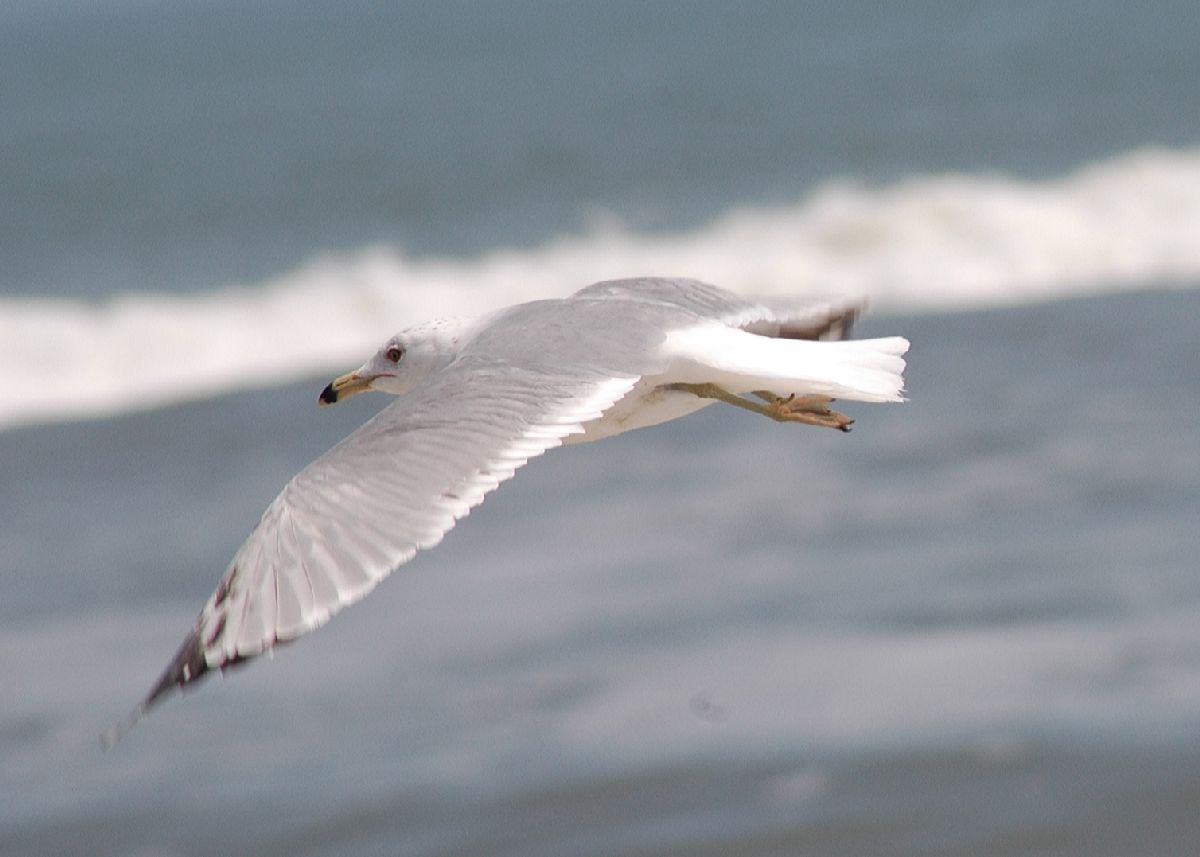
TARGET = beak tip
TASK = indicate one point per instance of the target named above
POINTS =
(350, 384)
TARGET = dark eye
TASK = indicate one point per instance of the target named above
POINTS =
(394, 353)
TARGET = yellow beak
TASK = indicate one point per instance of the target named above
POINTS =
(343, 387)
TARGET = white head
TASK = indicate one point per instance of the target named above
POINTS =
(403, 361)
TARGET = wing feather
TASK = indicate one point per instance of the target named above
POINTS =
(365, 507)
(786, 318)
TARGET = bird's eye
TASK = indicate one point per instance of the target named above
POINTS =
(394, 353)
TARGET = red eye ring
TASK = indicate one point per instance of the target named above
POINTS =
(394, 353)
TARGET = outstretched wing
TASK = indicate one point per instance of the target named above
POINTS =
(786, 318)
(391, 488)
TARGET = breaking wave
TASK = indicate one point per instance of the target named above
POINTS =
(928, 243)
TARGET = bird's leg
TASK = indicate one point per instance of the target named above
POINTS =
(811, 410)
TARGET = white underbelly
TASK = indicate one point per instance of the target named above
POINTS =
(645, 405)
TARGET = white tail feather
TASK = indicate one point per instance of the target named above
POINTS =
(863, 370)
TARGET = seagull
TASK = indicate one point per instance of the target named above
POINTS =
(479, 397)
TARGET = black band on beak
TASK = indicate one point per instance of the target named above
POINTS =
(344, 387)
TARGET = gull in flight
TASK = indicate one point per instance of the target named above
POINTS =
(479, 397)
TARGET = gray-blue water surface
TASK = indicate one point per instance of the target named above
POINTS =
(166, 146)
(969, 627)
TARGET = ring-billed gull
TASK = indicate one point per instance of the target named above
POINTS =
(480, 397)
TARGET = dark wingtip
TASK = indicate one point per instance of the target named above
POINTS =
(113, 734)
(187, 666)
(328, 396)
(837, 325)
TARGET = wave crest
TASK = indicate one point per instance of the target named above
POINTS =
(928, 243)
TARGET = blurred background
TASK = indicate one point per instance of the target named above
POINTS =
(969, 627)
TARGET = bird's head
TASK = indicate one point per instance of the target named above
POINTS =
(402, 362)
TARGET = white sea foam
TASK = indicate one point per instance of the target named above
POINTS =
(928, 243)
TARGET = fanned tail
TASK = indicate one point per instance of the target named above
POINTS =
(862, 370)
(865, 370)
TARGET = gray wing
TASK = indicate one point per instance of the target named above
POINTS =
(394, 486)
(788, 318)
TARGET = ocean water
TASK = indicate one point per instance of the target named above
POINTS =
(968, 627)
